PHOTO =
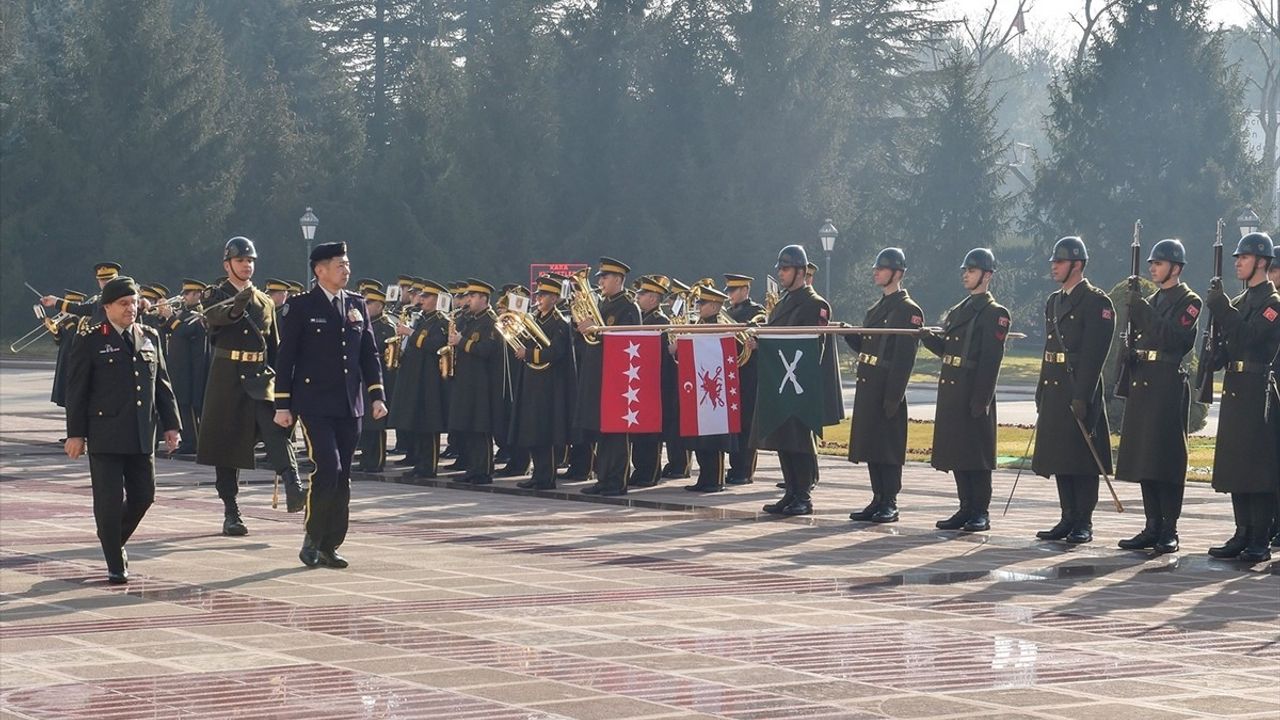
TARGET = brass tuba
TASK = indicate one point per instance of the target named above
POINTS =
(517, 327)
(582, 303)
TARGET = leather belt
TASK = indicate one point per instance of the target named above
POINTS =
(953, 360)
(239, 355)
(1156, 356)
(1242, 366)
(866, 359)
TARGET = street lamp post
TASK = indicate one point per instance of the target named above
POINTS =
(827, 234)
(1248, 221)
(308, 222)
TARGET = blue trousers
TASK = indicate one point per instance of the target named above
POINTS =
(331, 443)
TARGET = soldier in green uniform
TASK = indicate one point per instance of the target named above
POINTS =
(239, 405)
(613, 450)
(1245, 461)
(742, 309)
(878, 435)
(543, 408)
(1153, 438)
(373, 431)
(971, 346)
(794, 442)
(476, 407)
(419, 412)
(646, 449)
(188, 357)
(1079, 322)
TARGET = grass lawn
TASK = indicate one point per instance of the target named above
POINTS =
(1011, 445)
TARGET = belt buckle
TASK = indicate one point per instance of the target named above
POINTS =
(1236, 366)
(235, 354)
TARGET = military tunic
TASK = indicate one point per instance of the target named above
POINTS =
(742, 462)
(620, 309)
(188, 355)
(1245, 454)
(543, 408)
(418, 404)
(801, 307)
(971, 347)
(65, 337)
(478, 404)
(1153, 437)
(1079, 326)
(879, 430)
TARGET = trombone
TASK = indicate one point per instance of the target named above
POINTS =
(48, 326)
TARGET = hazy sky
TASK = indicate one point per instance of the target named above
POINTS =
(1052, 16)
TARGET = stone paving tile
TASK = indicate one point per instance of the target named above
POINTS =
(499, 604)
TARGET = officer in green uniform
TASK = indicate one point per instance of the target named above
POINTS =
(646, 449)
(792, 440)
(878, 435)
(971, 346)
(419, 411)
(118, 396)
(1153, 438)
(543, 409)
(476, 407)
(188, 357)
(613, 450)
(742, 309)
(1079, 321)
(373, 431)
(239, 397)
(1245, 461)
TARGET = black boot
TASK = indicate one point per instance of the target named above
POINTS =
(1167, 541)
(1066, 501)
(961, 516)
(1258, 548)
(1146, 539)
(1233, 547)
(890, 486)
(1086, 499)
(868, 512)
(295, 494)
(232, 525)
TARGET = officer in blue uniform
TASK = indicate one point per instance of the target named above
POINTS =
(118, 396)
(327, 353)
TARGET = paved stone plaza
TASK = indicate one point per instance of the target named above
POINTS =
(495, 604)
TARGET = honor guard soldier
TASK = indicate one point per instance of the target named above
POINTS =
(1274, 406)
(971, 346)
(188, 357)
(742, 309)
(646, 449)
(710, 450)
(238, 410)
(543, 409)
(64, 335)
(1245, 461)
(328, 365)
(373, 431)
(679, 457)
(476, 405)
(794, 442)
(118, 394)
(613, 450)
(878, 435)
(1079, 322)
(419, 412)
(1153, 437)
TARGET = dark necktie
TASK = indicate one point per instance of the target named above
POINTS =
(127, 335)
(337, 305)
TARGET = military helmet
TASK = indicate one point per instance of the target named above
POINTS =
(980, 258)
(239, 246)
(792, 256)
(892, 258)
(1256, 243)
(1070, 248)
(1169, 250)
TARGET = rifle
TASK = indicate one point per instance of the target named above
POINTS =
(1211, 344)
(1124, 357)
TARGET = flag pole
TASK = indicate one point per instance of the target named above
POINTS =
(768, 330)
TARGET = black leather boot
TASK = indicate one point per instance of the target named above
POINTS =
(1233, 547)
(1258, 548)
(1066, 501)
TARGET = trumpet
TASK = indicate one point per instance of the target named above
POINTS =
(48, 326)
(516, 328)
(583, 306)
(771, 296)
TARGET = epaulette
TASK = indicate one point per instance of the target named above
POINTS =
(86, 326)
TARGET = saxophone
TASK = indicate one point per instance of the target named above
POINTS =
(394, 350)
(445, 353)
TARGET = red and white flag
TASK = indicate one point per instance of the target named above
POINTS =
(631, 383)
(710, 400)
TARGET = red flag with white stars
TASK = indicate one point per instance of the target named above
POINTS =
(710, 394)
(631, 383)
